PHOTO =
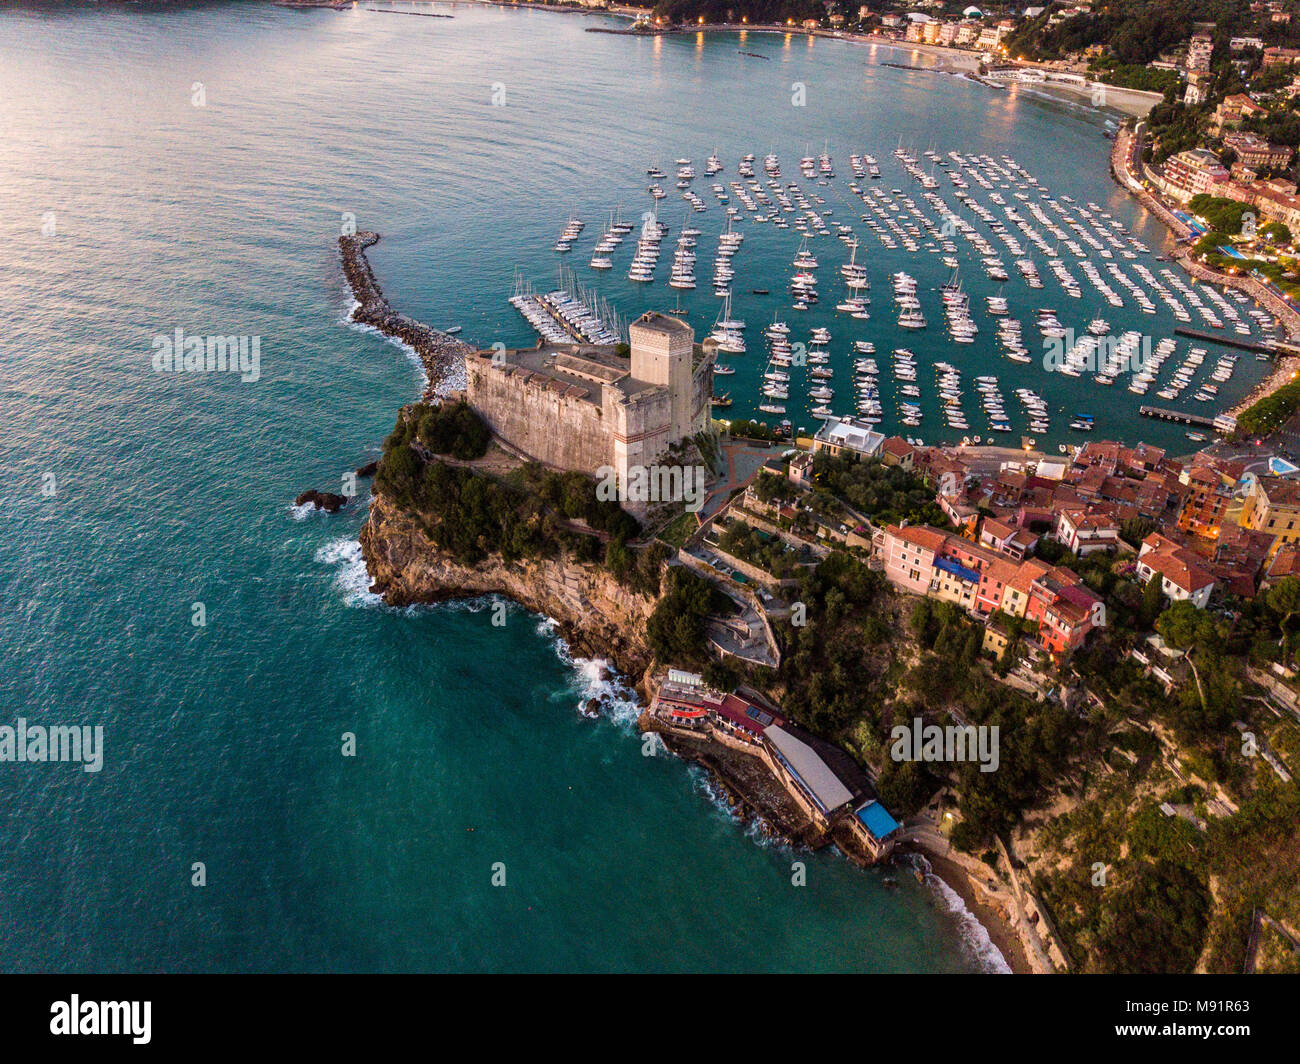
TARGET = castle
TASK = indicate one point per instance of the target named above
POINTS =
(587, 408)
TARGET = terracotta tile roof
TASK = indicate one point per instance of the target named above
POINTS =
(1002, 571)
(1281, 491)
(997, 529)
(1286, 562)
(1178, 570)
(1023, 538)
(920, 536)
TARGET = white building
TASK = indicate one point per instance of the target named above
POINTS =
(1181, 577)
(838, 435)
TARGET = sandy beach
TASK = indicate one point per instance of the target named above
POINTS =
(994, 922)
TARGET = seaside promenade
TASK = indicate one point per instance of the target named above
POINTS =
(1129, 172)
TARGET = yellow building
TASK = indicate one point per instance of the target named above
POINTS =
(1273, 507)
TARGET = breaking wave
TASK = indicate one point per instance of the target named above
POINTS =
(972, 934)
(351, 579)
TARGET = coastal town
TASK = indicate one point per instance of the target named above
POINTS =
(651, 487)
(1119, 609)
(1035, 568)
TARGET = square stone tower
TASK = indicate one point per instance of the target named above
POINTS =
(662, 348)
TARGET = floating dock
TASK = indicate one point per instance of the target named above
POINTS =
(1224, 423)
(1226, 341)
(569, 314)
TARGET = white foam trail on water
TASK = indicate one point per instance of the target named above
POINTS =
(351, 578)
(406, 349)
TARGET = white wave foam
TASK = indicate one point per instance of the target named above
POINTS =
(354, 305)
(351, 578)
(471, 605)
(973, 934)
(703, 781)
(454, 380)
(756, 830)
(594, 678)
(760, 833)
(410, 352)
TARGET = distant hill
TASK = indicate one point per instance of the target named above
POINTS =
(1138, 31)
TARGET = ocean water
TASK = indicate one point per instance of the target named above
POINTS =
(191, 168)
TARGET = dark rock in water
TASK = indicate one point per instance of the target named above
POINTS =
(368, 470)
(322, 500)
(591, 707)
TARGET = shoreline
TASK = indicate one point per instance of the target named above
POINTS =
(748, 805)
(1133, 102)
(1285, 366)
(438, 351)
(999, 930)
(991, 905)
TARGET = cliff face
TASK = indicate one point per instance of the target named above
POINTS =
(598, 617)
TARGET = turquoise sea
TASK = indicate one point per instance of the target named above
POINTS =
(190, 168)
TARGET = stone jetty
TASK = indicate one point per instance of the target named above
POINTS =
(442, 355)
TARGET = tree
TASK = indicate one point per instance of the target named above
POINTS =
(1156, 922)
(1152, 596)
(1277, 233)
(455, 429)
(1184, 627)
(676, 629)
(904, 786)
(1136, 529)
(1284, 598)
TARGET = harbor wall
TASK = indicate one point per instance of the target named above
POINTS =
(439, 352)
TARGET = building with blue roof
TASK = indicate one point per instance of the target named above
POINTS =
(877, 820)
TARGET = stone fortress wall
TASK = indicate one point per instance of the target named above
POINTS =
(582, 408)
(535, 417)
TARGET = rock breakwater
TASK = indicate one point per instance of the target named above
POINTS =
(442, 355)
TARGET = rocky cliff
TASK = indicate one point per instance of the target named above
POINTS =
(598, 616)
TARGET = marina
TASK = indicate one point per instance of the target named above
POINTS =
(568, 313)
(981, 263)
